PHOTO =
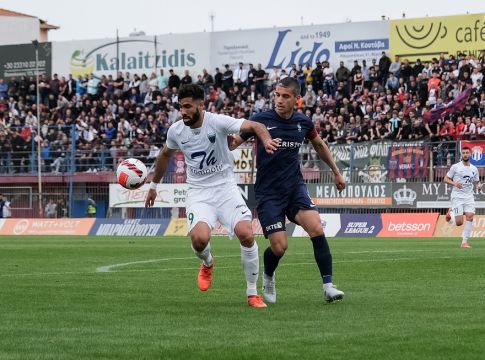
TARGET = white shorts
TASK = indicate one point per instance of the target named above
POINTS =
(461, 206)
(224, 203)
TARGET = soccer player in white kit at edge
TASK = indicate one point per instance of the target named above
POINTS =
(463, 176)
(213, 194)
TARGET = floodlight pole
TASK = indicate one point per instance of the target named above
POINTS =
(212, 16)
(39, 169)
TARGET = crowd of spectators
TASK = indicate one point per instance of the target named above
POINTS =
(129, 114)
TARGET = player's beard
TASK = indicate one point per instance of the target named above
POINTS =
(193, 120)
(465, 160)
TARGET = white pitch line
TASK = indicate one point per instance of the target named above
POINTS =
(225, 267)
(108, 268)
(385, 251)
(47, 273)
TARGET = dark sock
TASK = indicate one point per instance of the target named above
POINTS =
(323, 257)
(270, 261)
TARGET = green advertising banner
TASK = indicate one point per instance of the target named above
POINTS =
(369, 159)
(19, 60)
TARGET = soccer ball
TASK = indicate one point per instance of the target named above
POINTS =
(131, 174)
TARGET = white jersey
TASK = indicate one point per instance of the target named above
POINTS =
(466, 175)
(207, 155)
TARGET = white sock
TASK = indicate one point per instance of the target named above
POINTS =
(205, 254)
(467, 231)
(250, 261)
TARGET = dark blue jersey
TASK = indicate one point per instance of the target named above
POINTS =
(279, 173)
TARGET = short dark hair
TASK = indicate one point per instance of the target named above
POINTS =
(466, 148)
(290, 82)
(193, 91)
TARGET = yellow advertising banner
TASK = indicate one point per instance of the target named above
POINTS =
(443, 229)
(426, 38)
(177, 227)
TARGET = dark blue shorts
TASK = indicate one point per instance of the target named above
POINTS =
(272, 209)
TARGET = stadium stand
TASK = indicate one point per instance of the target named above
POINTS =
(88, 124)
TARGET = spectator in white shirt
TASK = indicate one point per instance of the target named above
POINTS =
(92, 85)
(310, 98)
(153, 82)
(470, 128)
(481, 128)
(30, 119)
(7, 209)
(259, 103)
(240, 75)
(173, 115)
(90, 134)
(395, 67)
(274, 76)
(477, 76)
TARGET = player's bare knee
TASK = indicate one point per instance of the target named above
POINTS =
(199, 242)
(279, 249)
(246, 239)
(316, 230)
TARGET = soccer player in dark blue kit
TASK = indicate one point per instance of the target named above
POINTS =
(281, 191)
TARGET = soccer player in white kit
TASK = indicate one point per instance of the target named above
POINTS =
(213, 194)
(463, 176)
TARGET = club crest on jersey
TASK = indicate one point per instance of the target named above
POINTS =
(212, 138)
(298, 126)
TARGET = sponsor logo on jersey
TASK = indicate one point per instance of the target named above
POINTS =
(278, 225)
(212, 138)
(290, 144)
(206, 171)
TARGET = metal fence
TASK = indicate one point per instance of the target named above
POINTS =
(64, 195)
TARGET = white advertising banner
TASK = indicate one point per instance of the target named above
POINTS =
(330, 222)
(169, 195)
(137, 55)
(243, 164)
(243, 159)
(284, 46)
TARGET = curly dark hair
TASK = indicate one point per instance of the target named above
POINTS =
(193, 91)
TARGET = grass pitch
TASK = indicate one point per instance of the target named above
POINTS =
(404, 299)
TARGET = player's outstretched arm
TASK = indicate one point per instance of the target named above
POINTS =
(270, 144)
(324, 153)
(161, 166)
